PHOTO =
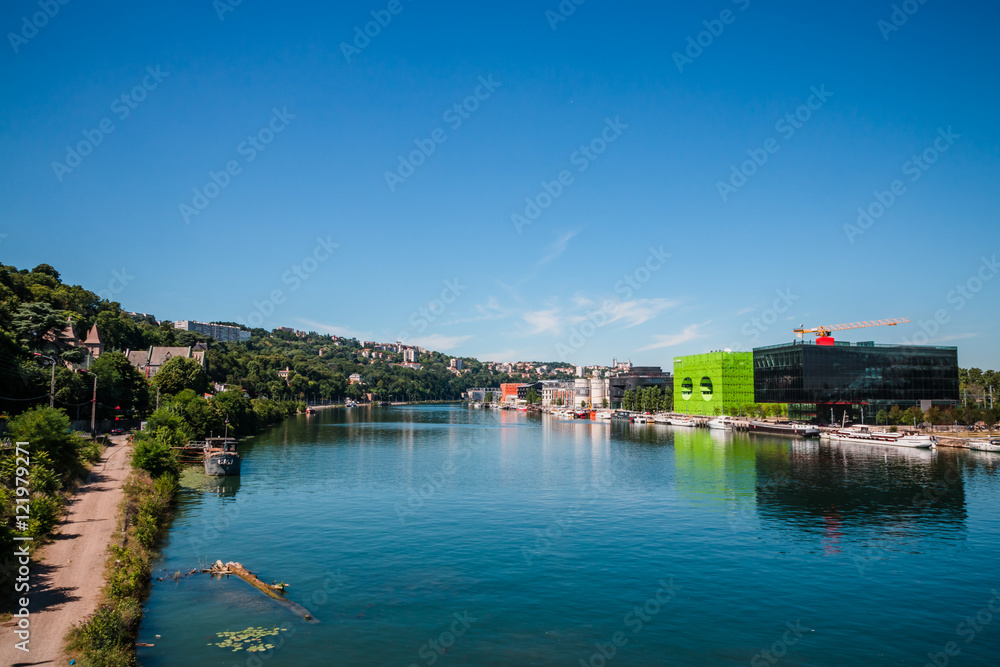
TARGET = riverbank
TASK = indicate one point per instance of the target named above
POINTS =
(66, 576)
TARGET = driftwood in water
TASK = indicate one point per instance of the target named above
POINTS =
(271, 590)
(245, 575)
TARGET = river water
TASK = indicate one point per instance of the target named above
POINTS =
(451, 536)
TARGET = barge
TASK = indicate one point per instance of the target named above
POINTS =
(784, 428)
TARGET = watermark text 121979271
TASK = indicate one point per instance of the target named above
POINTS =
(22, 512)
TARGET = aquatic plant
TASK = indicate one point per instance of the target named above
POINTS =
(252, 639)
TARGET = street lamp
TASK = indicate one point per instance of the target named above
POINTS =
(52, 384)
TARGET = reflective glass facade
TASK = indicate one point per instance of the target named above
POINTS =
(862, 373)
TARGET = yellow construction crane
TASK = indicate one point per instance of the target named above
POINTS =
(824, 332)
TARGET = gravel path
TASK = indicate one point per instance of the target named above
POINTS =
(67, 575)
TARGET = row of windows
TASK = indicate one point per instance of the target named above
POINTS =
(819, 374)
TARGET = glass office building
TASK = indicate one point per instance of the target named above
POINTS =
(815, 379)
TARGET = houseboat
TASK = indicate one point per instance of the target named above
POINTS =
(220, 457)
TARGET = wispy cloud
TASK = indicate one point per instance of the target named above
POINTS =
(945, 339)
(669, 340)
(558, 248)
(334, 329)
(638, 311)
(439, 342)
(491, 310)
(503, 356)
(542, 321)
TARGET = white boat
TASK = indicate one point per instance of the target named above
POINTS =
(604, 415)
(863, 436)
(639, 419)
(985, 445)
(350, 404)
(661, 419)
(720, 423)
(682, 421)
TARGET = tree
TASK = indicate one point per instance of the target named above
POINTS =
(895, 415)
(180, 373)
(119, 331)
(197, 413)
(933, 415)
(628, 400)
(47, 270)
(531, 396)
(913, 415)
(48, 431)
(119, 383)
(237, 409)
(32, 322)
(882, 417)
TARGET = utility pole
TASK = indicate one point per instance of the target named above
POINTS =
(52, 384)
(93, 410)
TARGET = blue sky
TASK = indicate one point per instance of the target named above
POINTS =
(307, 230)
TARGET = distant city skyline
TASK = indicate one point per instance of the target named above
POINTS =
(520, 182)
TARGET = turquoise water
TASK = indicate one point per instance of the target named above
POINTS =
(450, 536)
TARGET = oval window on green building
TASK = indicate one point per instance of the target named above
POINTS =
(706, 388)
(687, 387)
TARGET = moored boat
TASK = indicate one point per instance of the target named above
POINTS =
(862, 435)
(984, 445)
(221, 458)
(785, 428)
(720, 423)
(682, 421)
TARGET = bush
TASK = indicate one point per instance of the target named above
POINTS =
(153, 453)
(48, 431)
(105, 639)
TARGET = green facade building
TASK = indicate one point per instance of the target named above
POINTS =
(716, 383)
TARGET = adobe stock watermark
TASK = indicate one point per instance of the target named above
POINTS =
(21, 495)
(294, 277)
(714, 28)
(968, 629)
(434, 649)
(581, 158)
(423, 317)
(959, 298)
(37, 21)
(420, 496)
(786, 126)
(122, 107)
(899, 17)
(779, 648)
(561, 13)
(249, 149)
(625, 289)
(381, 18)
(223, 7)
(119, 281)
(915, 168)
(759, 324)
(454, 116)
(635, 620)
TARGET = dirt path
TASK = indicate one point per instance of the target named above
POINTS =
(67, 575)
